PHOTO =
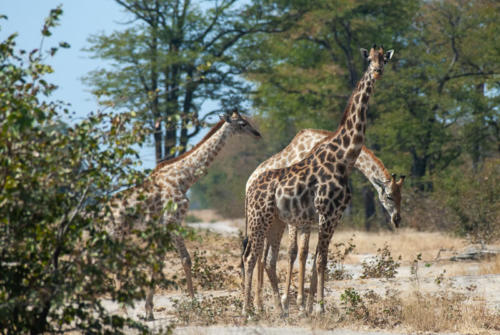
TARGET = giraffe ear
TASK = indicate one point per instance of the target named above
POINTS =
(388, 54)
(225, 117)
(364, 52)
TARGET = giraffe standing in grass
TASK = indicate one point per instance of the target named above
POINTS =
(388, 189)
(389, 193)
(313, 190)
(169, 182)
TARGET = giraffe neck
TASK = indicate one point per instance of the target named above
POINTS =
(351, 132)
(192, 165)
(373, 169)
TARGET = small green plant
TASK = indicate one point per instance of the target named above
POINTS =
(336, 271)
(212, 275)
(383, 266)
(208, 310)
(353, 304)
(440, 278)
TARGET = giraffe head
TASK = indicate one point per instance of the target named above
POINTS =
(376, 59)
(390, 197)
(240, 124)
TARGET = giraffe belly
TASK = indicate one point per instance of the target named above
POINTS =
(297, 209)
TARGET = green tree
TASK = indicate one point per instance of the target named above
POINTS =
(174, 56)
(305, 74)
(56, 256)
(440, 99)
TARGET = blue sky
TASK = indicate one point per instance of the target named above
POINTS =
(79, 20)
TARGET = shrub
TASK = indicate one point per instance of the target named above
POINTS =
(341, 250)
(383, 266)
(56, 256)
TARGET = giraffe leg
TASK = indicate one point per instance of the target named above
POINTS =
(325, 235)
(313, 284)
(119, 285)
(274, 239)
(260, 277)
(303, 251)
(292, 255)
(250, 259)
(149, 297)
(186, 262)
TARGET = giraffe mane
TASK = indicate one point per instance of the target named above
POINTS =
(212, 131)
(379, 163)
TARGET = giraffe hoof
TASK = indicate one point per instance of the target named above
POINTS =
(319, 309)
(147, 317)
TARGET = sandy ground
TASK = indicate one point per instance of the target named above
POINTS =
(475, 286)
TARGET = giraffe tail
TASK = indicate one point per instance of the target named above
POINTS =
(245, 244)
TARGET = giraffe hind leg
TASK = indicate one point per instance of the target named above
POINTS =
(292, 255)
(274, 239)
(186, 262)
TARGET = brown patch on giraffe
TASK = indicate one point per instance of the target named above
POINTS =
(365, 98)
(346, 140)
(358, 139)
(349, 124)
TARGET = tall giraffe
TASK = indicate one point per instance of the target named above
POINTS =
(388, 189)
(170, 181)
(389, 193)
(314, 189)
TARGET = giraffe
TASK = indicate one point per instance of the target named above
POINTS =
(169, 182)
(314, 189)
(388, 189)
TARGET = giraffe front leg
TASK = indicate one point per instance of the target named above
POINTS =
(149, 301)
(292, 255)
(250, 259)
(313, 285)
(186, 262)
(303, 251)
(324, 237)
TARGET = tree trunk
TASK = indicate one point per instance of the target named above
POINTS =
(155, 104)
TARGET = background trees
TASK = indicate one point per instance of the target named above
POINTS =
(435, 109)
(172, 57)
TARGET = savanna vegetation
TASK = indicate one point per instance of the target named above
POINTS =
(292, 65)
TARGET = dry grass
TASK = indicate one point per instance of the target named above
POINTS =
(441, 312)
(491, 266)
(408, 310)
(405, 242)
(448, 312)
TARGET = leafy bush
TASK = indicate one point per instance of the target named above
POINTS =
(208, 310)
(340, 252)
(383, 266)
(56, 255)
